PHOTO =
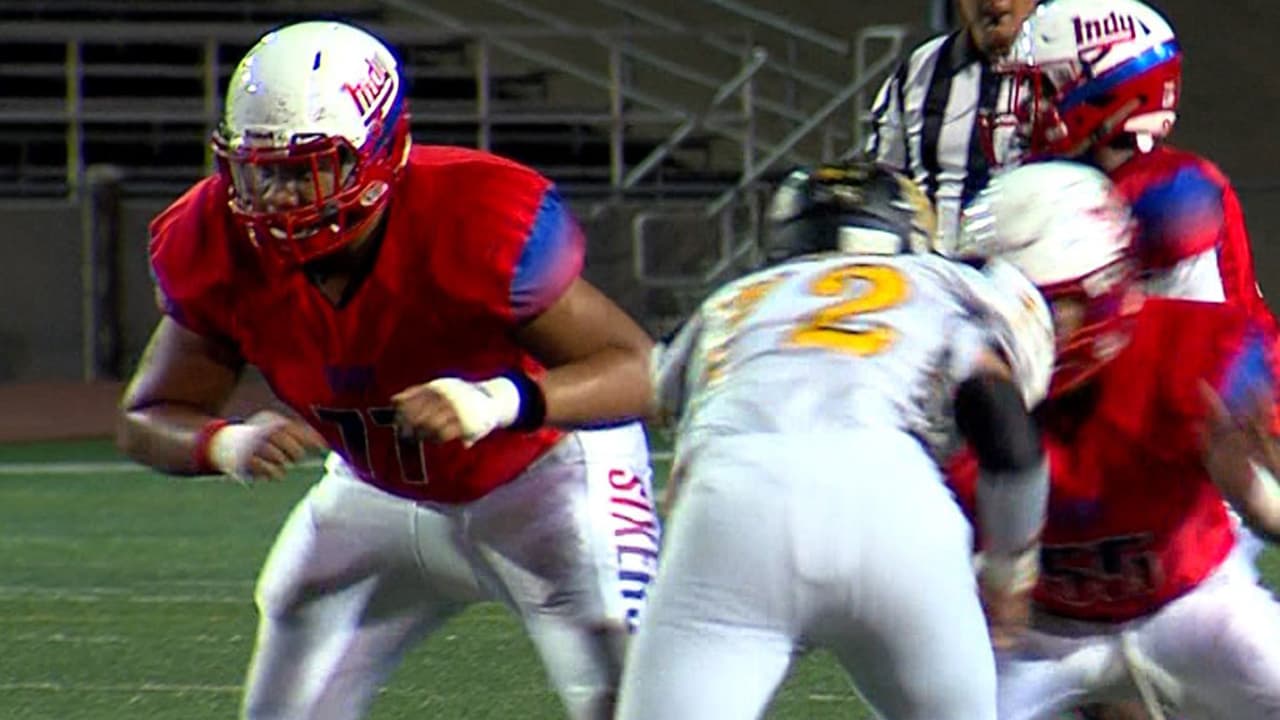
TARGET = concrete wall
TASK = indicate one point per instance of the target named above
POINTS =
(42, 287)
(40, 291)
(1231, 97)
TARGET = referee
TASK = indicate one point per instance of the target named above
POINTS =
(925, 117)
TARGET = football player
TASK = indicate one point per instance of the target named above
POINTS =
(420, 309)
(1144, 594)
(814, 397)
(1099, 81)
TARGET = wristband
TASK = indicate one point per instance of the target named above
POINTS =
(533, 404)
(200, 447)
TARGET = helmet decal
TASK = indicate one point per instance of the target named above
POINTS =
(1081, 73)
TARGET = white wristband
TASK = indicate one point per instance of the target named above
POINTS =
(506, 399)
(231, 449)
(481, 406)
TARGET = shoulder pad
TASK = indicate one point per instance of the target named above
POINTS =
(1024, 328)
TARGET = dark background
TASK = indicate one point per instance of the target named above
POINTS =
(1231, 95)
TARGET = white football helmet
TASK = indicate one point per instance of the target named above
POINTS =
(1027, 340)
(1064, 226)
(1085, 71)
(314, 132)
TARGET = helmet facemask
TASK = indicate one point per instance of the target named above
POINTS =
(1069, 94)
(309, 196)
(1094, 317)
(1027, 126)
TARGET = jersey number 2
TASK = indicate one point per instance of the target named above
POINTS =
(837, 327)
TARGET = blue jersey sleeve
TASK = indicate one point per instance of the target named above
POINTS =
(1249, 375)
(1178, 217)
(550, 261)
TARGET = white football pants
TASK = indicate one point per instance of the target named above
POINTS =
(357, 576)
(848, 541)
(1212, 654)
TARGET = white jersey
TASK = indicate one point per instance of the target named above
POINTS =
(830, 342)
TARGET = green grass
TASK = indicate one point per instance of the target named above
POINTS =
(127, 594)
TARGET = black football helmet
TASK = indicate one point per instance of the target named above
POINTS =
(854, 206)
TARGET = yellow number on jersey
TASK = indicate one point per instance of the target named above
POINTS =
(738, 306)
(735, 309)
(883, 287)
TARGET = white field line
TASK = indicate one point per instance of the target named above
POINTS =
(100, 468)
(117, 595)
(124, 466)
(119, 688)
(427, 694)
(183, 688)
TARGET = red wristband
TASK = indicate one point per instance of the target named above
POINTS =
(200, 448)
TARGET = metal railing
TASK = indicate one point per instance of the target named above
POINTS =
(731, 223)
(809, 35)
(624, 53)
(616, 111)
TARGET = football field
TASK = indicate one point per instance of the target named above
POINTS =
(128, 594)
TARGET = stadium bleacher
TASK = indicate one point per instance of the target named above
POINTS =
(137, 84)
(659, 130)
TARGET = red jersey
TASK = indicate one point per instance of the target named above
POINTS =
(1134, 521)
(473, 246)
(1185, 207)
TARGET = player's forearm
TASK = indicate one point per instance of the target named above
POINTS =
(163, 436)
(612, 384)
(1013, 479)
(183, 381)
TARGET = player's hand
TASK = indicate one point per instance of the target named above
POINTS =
(1243, 459)
(1008, 615)
(263, 447)
(452, 409)
(1232, 442)
(1004, 586)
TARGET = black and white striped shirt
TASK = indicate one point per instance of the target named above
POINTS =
(925, 123)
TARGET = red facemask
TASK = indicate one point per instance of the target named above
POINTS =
(313, 196)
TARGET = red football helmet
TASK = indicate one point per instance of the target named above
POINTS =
(1063, 225)
(1084, 71)
(314, 134)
